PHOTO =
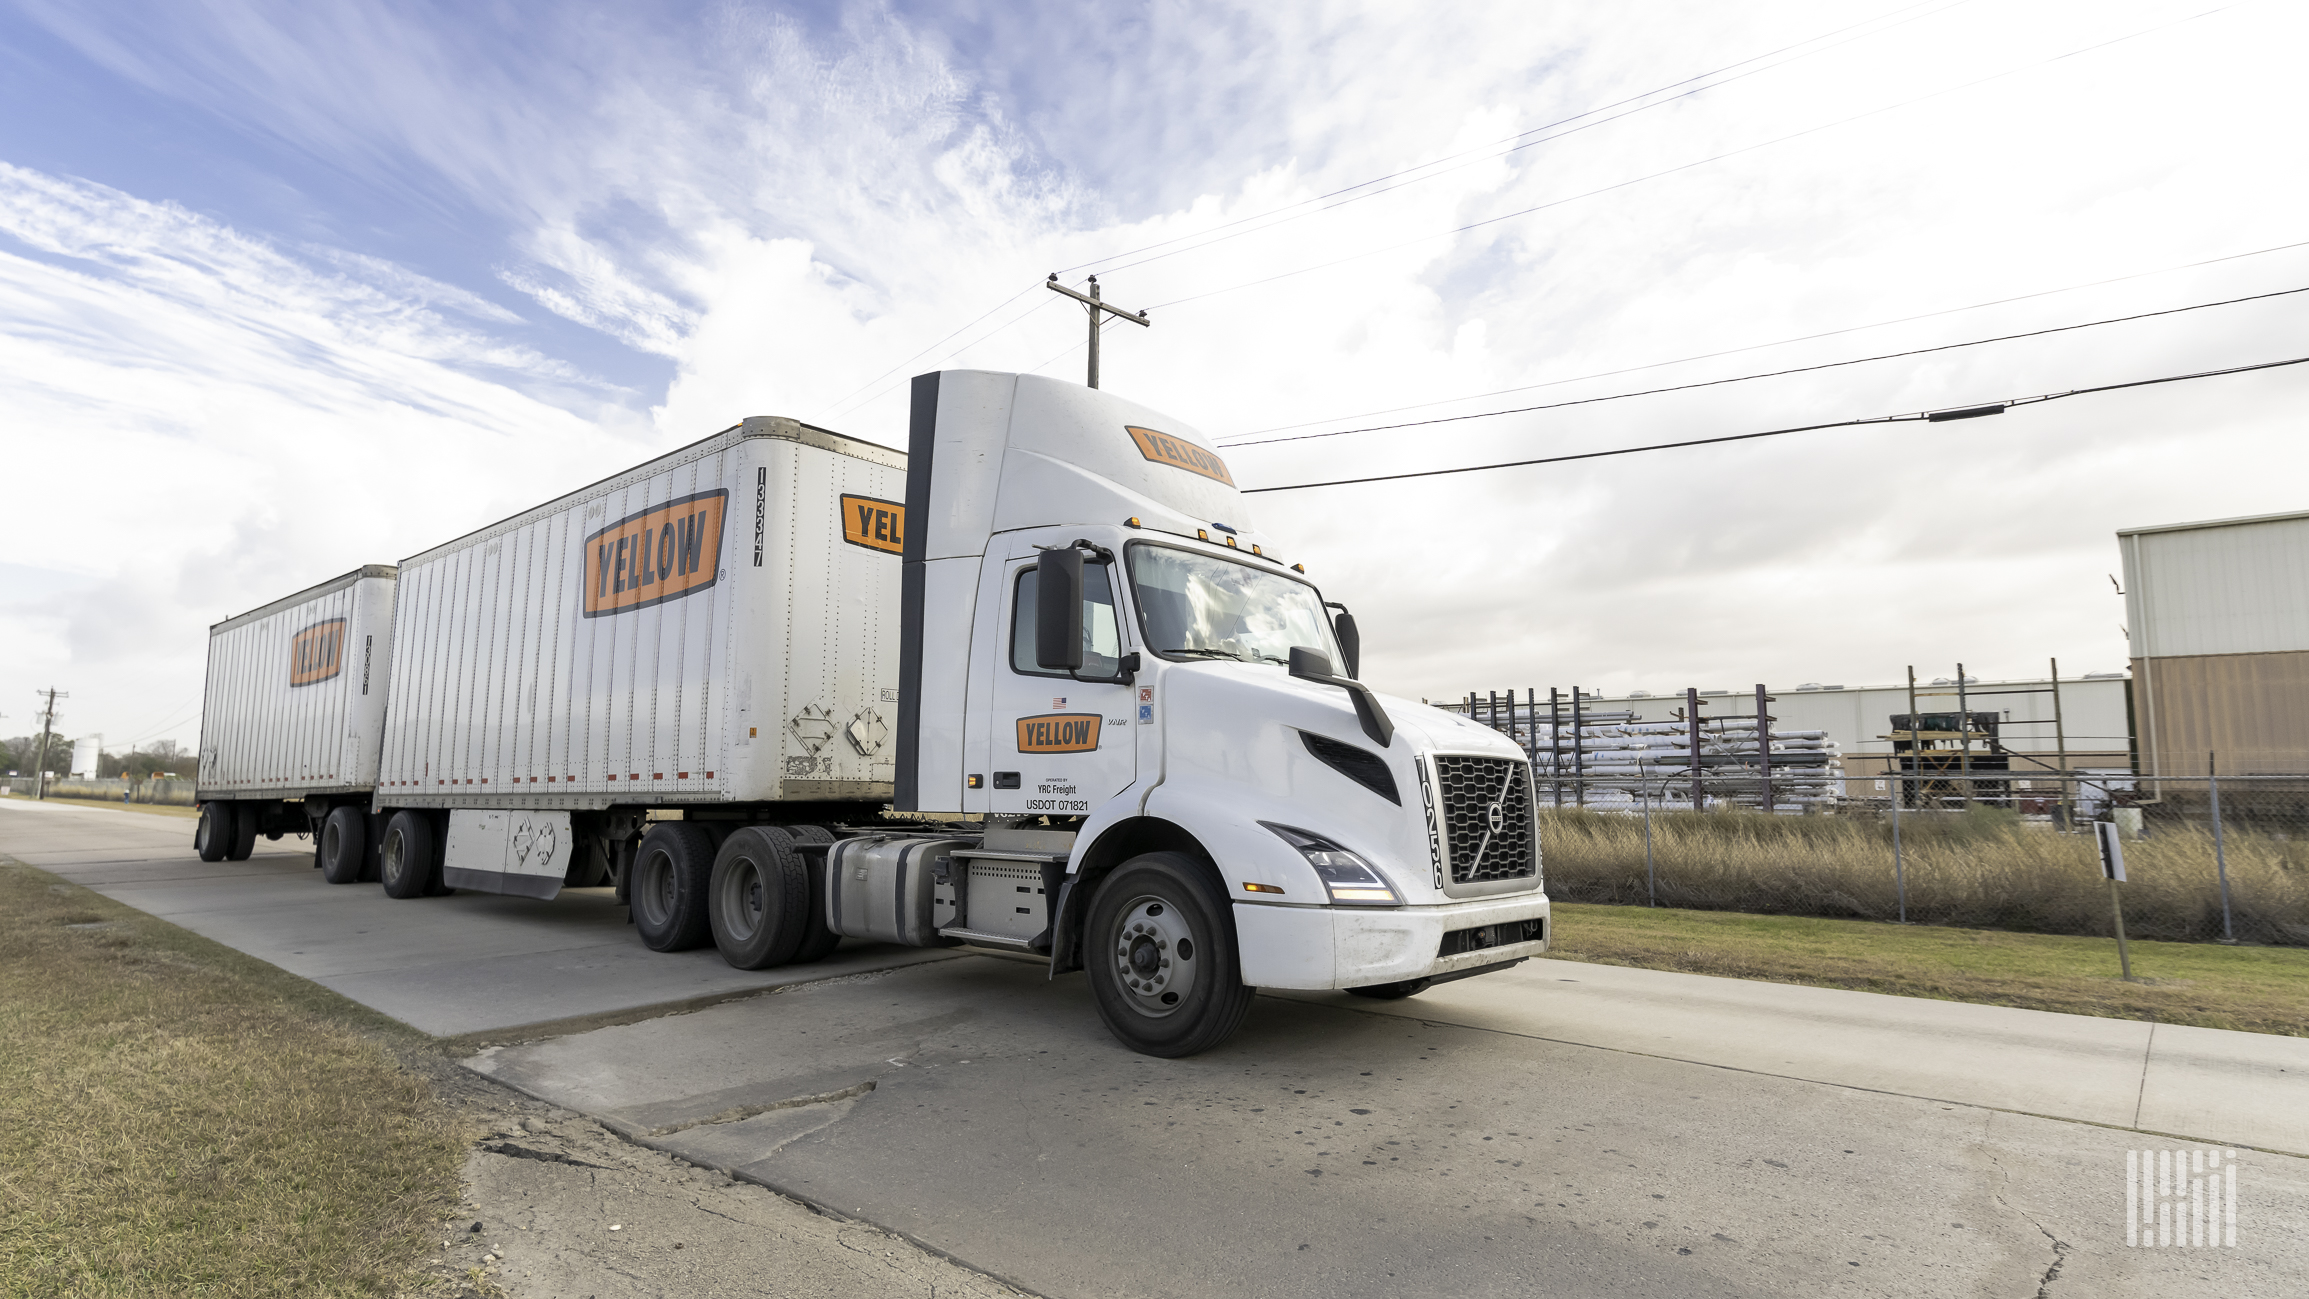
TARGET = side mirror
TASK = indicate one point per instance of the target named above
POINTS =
(1058, 609)
(1350, 641)
(1309, 664)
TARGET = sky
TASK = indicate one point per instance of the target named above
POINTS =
(290, 288)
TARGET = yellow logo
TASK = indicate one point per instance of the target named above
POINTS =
(660, 554)
(317, 653)
(874, 524)
(1058, 733)
(1178, 453)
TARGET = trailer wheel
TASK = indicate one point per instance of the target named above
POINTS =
(406, 863)
(1393, 991)
(344, 845)
(760, 898)
(212, 837)
(1160, 951)
(818, 939)
(244, 833)
(670, 877)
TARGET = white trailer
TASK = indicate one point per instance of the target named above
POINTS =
(714, 630)
(1037, 684)
(290, 722)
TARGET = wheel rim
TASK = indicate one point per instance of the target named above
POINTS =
(742, 899)
(330, 842)
(1155, 957)
(395, 855)
(654, 893)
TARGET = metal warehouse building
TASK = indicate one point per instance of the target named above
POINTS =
(2218, 613)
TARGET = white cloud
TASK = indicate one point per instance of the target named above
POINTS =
(787, 211)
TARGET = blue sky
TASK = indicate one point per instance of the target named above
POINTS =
(295, 287)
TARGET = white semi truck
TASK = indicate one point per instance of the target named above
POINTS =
(1036, 684)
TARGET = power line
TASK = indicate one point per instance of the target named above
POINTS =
(1680, 167)
(836, 409)
(1935, 417)
(1511, 141)
(1773, 374)
(1783, 342)
(924, 352)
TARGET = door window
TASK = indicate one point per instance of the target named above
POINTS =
(1101, 628)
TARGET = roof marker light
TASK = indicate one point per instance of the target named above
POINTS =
(1131, 522)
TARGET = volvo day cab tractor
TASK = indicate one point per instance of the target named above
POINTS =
(1037, 684)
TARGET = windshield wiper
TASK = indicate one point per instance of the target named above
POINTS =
(1209, 653)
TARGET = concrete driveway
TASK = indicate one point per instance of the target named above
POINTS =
(449, 966)
(1559, 1129)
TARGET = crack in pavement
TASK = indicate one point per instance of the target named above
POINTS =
(739, 1114)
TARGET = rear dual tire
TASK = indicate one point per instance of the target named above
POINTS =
(759, 908)
(409, 856)
(671, 873)
(344, 845)
(212, 837)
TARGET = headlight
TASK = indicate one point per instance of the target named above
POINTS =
(1350, 880)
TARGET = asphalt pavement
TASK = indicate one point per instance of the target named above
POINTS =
(1560, 1129)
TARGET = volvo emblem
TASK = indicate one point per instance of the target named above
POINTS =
(1497, 817)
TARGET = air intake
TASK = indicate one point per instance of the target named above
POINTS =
(1362, 766)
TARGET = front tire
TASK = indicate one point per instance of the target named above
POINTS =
(344, 845)
(760, 898)
(1160, 952)
(406, 861)
(671, 872)
(212, 838)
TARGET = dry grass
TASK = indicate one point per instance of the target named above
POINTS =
(150, 809)
(2258, 989)
(1983, 869)
(179, 1119)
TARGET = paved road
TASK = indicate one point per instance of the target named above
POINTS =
(1559, 1129)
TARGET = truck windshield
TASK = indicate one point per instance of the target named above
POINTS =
(1201, 606)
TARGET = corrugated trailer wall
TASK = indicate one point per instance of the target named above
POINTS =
(640, 641)
(294, 700)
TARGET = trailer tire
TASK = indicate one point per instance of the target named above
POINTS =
(760, 898)
(244, 832)
(212, 837)
(344, 845)
(1160, 952)
(1393, 991)
(406, 860)
(818, 938)
(671, 874)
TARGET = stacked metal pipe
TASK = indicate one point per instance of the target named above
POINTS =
(1615, 761)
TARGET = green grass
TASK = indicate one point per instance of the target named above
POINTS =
(180, 1119)
(2258, 989)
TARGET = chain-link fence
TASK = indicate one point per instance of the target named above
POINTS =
(2206, 859)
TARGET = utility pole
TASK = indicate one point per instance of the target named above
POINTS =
(1098, 312)
(40, 755)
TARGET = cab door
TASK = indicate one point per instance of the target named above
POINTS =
(1061, 743)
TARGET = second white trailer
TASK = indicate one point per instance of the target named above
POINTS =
(291, 718)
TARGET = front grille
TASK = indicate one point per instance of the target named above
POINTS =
(1483, 844)
(1500, 935)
